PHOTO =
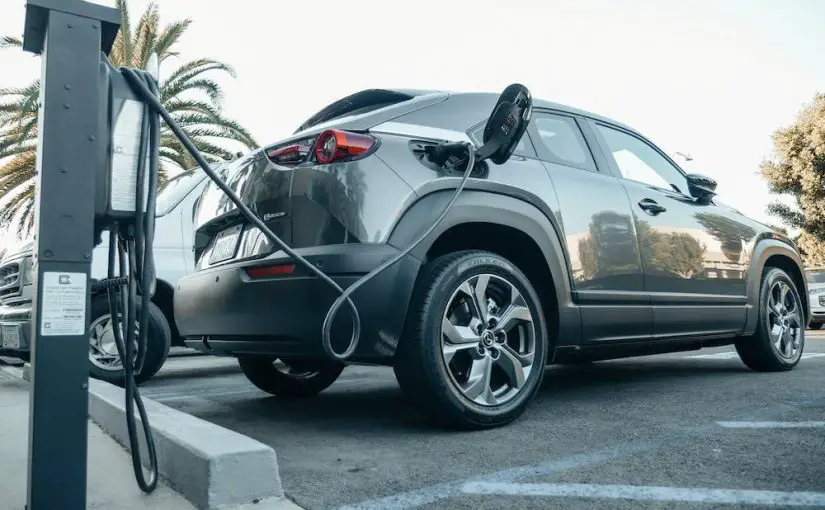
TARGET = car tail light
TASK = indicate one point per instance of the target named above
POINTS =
(292, 154)
(267, 271)
(333, 145)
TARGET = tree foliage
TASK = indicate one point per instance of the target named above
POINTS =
(797, 170)
(189, 92)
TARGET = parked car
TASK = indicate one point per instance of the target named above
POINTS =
(589, 243)
(816, 287)
(173, 259)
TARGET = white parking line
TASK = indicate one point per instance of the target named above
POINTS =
(771, 424)
(648, 493)
(733, 354)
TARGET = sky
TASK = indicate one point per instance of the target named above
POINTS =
(709, 78)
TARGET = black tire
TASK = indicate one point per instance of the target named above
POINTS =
(420, 366)
(815, 325)
(159, 340)
(758, 351)
(311, 377)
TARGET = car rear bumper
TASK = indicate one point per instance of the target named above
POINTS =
(224, 311)
(817, 315)
(18, 318)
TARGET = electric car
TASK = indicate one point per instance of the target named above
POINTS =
(588, 243)
(173, 259)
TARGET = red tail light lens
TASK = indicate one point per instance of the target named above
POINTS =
(267, 271)
(334, 145)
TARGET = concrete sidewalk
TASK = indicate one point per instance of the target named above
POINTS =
(111, 481)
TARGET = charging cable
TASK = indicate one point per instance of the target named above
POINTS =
(446, 149)
(130, 251)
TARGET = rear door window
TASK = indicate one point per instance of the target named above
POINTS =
(561, 141)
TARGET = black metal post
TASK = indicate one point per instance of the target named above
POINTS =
(70, 34)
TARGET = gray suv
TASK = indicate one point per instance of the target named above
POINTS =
(589, 243)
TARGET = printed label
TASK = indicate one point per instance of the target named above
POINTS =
(63, 312)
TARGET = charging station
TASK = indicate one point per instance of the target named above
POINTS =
(70, 36)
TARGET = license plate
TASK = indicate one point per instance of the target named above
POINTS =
(226, 244)
(11, 337)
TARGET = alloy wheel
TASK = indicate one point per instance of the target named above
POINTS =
(784, 320)
(102, 347)
(488, 340)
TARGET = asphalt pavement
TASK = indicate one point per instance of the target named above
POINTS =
(687, 430)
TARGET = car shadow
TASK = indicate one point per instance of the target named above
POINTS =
(349, 408)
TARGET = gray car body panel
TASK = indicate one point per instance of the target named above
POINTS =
(391, 197)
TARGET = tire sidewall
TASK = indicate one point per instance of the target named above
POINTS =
(159, 341)
(444, 287)
(773, 276)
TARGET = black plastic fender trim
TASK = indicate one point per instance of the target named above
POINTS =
(477, 206)
(763, 250)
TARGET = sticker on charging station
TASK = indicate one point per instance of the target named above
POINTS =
(64, 304)
(125, 154)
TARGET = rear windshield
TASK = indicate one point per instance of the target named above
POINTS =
(359, 103)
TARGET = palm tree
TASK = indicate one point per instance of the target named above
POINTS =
(188, 93)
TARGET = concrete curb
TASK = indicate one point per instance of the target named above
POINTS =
(209, 465)
(212, 467)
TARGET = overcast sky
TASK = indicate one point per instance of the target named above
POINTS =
(710, 78)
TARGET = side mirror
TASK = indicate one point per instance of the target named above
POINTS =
(507, 124)
(701, 187)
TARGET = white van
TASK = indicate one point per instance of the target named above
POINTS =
(173, 243)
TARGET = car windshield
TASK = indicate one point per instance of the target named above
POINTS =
(173, 191)
(816, 276)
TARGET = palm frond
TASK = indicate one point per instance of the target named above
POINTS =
(144, 36)
(223, 127)
(192, 106)
(121, 53)
(21, 202)
(8, 41)
(209, 87)
(190, 70)
(168, 37)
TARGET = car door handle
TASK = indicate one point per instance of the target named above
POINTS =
(651, 207)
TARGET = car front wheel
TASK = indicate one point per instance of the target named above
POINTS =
(290, 378)
(779, 339)
(474, 350)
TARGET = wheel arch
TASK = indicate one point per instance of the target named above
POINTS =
(506, 219)
(164, 300)
(767, 253)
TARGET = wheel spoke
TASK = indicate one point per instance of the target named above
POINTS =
(513, 315)
(450, 350)
(783, 293)
(477, 387)
(794, 319)
(480, 296)
(476, 310)
(458, 334)
(513, 364)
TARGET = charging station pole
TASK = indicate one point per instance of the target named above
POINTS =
(70, 35)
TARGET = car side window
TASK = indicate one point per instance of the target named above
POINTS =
(561, 141)
(638, 161)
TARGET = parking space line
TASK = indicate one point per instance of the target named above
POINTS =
(445, 490)
(649, 493)
(771, 424)
(733, 354)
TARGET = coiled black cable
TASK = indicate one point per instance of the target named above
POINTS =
(140, 88)
(132, 242)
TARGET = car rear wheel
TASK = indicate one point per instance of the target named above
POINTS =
(779, 339)
(289, 378)
(815, 325)
(474, 350)
(104, 361)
